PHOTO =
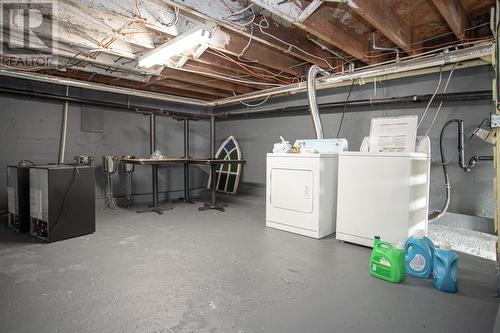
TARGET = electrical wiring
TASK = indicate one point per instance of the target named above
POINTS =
(243, 66)
(237, 20)
(448, 33)
(266, 26)
(254, 105)
(446, 45)
(227, 78)
(246, 47)
(239, 11)
(441, 103)
(176, 18)
(432, 98)
(345, 108)
(173, 22)
(246, 23)
(136, 9)
(242, 18)
(198, 68)
(227, 6)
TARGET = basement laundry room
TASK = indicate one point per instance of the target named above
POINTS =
(249, 166)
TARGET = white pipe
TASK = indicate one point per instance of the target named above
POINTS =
(64, 130)
(100, 87)
(470, 53)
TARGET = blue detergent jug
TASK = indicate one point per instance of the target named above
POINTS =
(445, 268)
(419, 253)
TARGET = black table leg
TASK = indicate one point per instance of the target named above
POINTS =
(187, 197)
(155, 207)
(213, 203)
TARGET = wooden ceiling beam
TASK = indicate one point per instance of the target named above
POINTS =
(179, 92)
(231, 39)
(323, 25)
(218, 61)
(196, 79)
(455, 15)
(192, 88)
(234, 43)
(164, 89)
(380, 15)
(202, 68)
(307, 52)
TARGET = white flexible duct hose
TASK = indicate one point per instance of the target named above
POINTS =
(311, 94)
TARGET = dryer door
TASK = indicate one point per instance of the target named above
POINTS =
(292, 189)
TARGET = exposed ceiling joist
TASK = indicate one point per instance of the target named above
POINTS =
(325, 27)
(230, 75)
(234, 43)
(386, 20)
(455, 15)
(200, 10)
(291, 42)
(213, 61)
(196, 79)
(192, 88)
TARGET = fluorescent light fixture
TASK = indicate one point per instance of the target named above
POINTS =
(176, 46)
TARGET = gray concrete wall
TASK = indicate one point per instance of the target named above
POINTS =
(30, 129)
(471, 193)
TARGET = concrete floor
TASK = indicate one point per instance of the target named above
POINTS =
(190, 271)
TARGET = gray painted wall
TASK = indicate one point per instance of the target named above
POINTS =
(471, 193)
(30, 129)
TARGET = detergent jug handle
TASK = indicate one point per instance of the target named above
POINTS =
(384, 247)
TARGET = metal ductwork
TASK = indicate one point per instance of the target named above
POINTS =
(311, 94)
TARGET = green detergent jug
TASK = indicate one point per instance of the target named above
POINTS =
(387, 262)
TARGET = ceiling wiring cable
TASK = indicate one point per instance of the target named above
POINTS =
(436, 37)
(236, 20)
(266, 26)
(227, 6)
(441, 102)
(253, 73)
(433, 96)
(425, 54)
(450, 44)
(246, 47)
(448, 33)
(243, 18)
(345, 108)
(239, 11)
(247, 23)
(176, 18)
(231, 76)
(224, 77)
(244, 66)
(254, 105)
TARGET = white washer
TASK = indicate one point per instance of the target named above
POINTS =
(382, 194)
(301, 193)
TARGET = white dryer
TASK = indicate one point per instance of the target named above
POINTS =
(301, 191)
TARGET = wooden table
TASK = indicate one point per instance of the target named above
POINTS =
(191, 160)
